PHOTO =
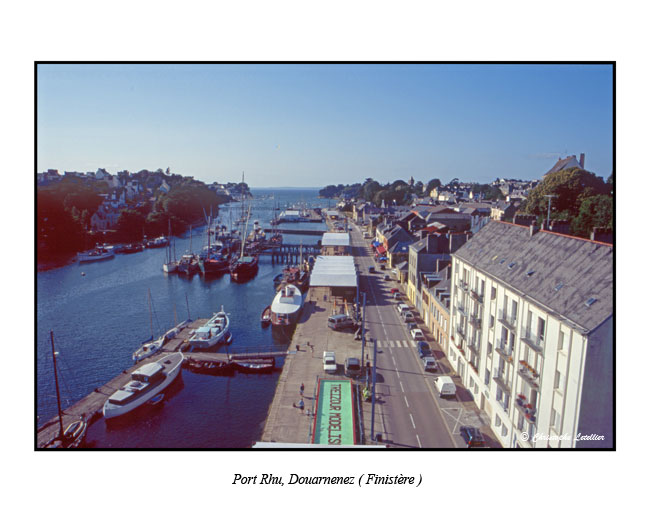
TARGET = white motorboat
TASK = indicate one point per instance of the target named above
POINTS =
(212, 332)
(146, 382)
(286, 306)
(97, 254)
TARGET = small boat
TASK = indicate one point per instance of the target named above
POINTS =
(256, 365)
(215, 330)
(211, 367)
(148, 349)
(74, 434)
(146, 382)
(157, 400)
(161, 241)
(188, 264)
(97, 254)
(266, 316)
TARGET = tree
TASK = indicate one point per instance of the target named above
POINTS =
(595, 212)
(434, 183)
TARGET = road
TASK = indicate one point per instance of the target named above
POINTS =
(407, 414)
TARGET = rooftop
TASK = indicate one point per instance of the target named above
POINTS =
(334, 271)
(571, 276)
(336, 239)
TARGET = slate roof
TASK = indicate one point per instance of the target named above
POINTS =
(584, 268)
(564, 163)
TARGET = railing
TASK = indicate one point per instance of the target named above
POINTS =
(500, 381)
(476, 295)
(463, 284)
(460, 332)
(526, 409)
(474, 367)
(503, 348)
(534, 341)
(529, 374)
(509, 321)
(475, 320)
(475, 347)
(461, 309)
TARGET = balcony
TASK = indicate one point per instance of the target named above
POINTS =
(526, 409)
(475, 348)
(461, 309)
(475, 321)
(510, 321)
(474, 367)
(463, 284)
(477, 296)
(504, 349)
(534, 341)
(461, 333)
(529, 374)
(500, 381)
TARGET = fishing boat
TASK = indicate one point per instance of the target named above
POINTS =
(97, 254)
(214, 331)
(74, 434)
(160, 241)
(286, 306)
(146, 382)
(131, 248)
(266, 316)
(266, 365)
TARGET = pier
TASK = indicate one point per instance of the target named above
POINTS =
(290, 253)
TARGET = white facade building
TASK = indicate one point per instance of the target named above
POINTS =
(532, 335)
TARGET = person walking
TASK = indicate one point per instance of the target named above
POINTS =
(302, 388)
(301, 405)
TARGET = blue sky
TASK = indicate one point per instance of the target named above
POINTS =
(314, 125)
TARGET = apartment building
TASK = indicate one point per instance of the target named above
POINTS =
(532, 334)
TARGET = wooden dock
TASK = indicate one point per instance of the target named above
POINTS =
(90, 407)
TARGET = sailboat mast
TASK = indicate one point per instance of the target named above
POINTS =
(150, 316)
(56, 383)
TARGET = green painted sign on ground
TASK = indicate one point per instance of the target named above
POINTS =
(334, 423)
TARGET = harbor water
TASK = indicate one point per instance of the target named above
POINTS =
(100, 318)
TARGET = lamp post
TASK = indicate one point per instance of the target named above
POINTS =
(548, 214)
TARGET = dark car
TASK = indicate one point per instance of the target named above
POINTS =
(411, 325)
(371, 270)
(472, 436)
(423, 349)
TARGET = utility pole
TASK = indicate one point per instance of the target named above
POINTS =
(374, 380)
(363, 332)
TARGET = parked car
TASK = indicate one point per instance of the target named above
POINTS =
(423, 349)
(408, 316)
(417, 334)
(393, 291)
(430, 364)
(411, 325)
(382, 267)
(371, 270)
(329, 362)
(445, 386)
(386, 277)
(353, 367)
(472, 436)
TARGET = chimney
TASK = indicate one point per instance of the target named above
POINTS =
(582, 160)
(533, 228)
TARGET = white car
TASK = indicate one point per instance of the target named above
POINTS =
(329, 362)
(417, 335)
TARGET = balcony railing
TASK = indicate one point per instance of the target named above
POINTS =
(475, 320)
(461, 333)
(528, 374)
(475, 347)
(534, 341)
(504, 349)
(463, 284)
(509, 321)
(477, 295)
(474, 367)
(461, 309)
(526, 409)
(500, 381)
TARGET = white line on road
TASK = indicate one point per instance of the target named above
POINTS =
(407, 402)
(418, 438)
(401, 386)
(412, 422)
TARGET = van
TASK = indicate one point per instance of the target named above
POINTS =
(401, 308)
(352, 367)
(338, 322)
(445, 386)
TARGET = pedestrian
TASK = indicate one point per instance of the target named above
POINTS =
(302, 388)
(297, 348)
(312, 349)
(301, 405)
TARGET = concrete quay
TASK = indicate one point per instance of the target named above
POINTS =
(286, 423)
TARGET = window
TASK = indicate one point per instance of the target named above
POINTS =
(491, 321)
(559, 381)
(504, 431)
(556, 420)
(497, 420)
(560, 343)
(541, 328)
(487, 377)
(493, 293)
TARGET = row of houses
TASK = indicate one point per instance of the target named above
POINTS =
(525, 317)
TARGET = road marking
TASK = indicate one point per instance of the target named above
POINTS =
(401, 386)
(412, 422)
(397, 372)
(418, 438)
(407, 403)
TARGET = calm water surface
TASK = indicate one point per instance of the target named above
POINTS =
(99, 320)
